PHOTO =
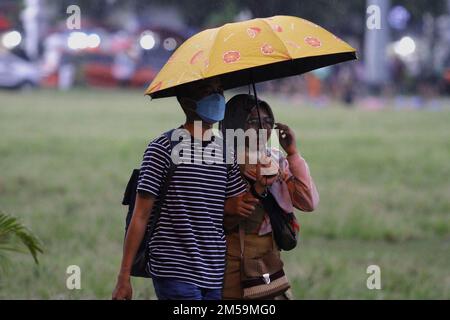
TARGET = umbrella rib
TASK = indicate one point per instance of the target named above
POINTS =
(282, 43)
(211, 51)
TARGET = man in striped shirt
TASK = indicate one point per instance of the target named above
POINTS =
(187, 248)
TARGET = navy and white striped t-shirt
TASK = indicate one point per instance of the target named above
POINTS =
(188, 242)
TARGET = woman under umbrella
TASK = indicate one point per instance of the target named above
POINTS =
(289, 186)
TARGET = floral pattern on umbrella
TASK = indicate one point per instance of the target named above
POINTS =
(267, 49)
(196, 57)
(253, 32)
(313, 41)
(231, 56)
(277, 28)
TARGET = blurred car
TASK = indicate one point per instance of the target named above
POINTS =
(98, 71)
(17, 72)
(116, 59)
(99, 67)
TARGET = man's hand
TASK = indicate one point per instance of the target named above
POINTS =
(123, 290)
(242, 205)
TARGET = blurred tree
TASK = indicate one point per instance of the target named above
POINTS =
(226, 14)
(345, 16)
(418, 8)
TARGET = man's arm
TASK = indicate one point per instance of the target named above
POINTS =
(243, 205)
(135, 234)
(237, 208)
(234, 212)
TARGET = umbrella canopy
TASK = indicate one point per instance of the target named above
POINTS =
(251, 51)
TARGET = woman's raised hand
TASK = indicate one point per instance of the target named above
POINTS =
(287, 138)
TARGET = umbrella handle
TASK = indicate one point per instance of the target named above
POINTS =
(257, 102)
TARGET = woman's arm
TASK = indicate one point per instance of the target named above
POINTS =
(302, 188)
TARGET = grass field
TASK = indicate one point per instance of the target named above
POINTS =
(383, 178)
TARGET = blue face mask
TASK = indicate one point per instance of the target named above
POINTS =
(211, 108)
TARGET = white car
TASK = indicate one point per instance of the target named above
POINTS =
(18, 73)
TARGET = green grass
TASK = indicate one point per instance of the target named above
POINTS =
(383, 178)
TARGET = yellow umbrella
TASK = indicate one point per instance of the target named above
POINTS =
(251, 51)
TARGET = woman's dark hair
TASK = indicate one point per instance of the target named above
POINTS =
(238, 109)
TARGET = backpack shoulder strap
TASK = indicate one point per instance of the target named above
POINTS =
(168, 135)
(129, 196)
(165, 185)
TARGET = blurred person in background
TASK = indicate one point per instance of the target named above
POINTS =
(124, 66)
